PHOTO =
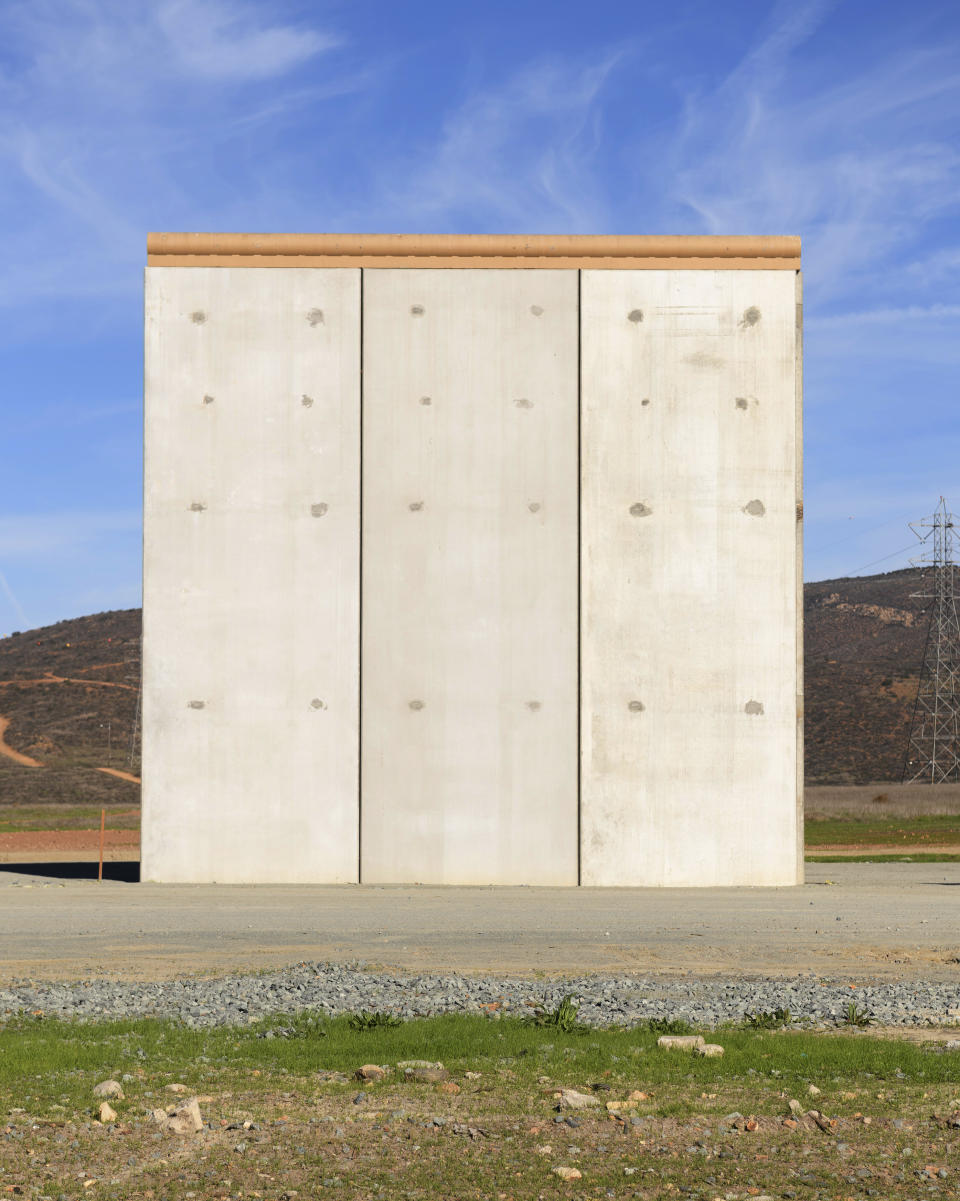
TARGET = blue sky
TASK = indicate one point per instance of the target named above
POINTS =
(837, 122)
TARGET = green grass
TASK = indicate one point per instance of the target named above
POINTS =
(892, 832)
(120, 816)
(917, 857)
(68, 1058)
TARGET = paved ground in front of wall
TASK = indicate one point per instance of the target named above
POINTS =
(850, 921)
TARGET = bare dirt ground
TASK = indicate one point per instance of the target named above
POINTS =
(850, 921)
(9, 752)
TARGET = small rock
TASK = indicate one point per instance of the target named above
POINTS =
(425, 1075)
(450, 1087)
(637, 1095)
(177, 1088)
(370, 1071)
(813, 1091)
(185, 1119)
(108, 1088)
(567, 1173)
(790, 1123)
(107, 1113)
(709, 1051)
(795, 1107)
(681, 1042)
(569, 1098)
(404, 1064)
(546, 1149)
(620, 1106)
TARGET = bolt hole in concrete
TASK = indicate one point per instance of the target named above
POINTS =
(317, 703)
(645, 401)
(534, 506)
(522, 403)
(197, 506)
(315, 316)
(640, 510)
(196, 704)
(306, 401)
(636, 706)
(754, 708)
(318, 510)
(416, 705)
(208, 400)
(416, 310)
(635, 315)
(425, 400)
(755, 508)
(415, 506)
(750, 317)
(741, 402)
(533, 706)
(198, 317)
(536, 310)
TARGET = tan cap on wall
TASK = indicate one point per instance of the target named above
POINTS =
(595, 251)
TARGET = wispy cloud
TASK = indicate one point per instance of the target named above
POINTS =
(44, 535)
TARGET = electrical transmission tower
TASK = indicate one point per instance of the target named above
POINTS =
(933, 752)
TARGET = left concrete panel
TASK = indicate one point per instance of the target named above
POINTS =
(251, 575)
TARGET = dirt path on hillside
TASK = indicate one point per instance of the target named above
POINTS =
(49, 678)
(9, 752)
(121, 775)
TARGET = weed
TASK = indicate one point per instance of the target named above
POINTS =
(854, 1016)
(563, 1018)
(666, 1026)
(766, 1019)
(372, 1021)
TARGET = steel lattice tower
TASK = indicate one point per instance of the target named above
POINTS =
(933, 752)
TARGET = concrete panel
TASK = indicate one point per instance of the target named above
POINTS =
(251, 575)
(469, 659)
(689, 578)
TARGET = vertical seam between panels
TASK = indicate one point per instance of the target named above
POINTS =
(579, 577)
(360, 600)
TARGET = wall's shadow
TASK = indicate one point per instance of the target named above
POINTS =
(127, 871)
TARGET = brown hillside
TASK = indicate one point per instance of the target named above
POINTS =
(68, 693)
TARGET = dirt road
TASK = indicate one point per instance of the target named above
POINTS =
(850, 921)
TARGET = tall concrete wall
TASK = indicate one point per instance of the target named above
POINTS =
(469, 722)
(251, 575)
(573, 504)
(690, 567)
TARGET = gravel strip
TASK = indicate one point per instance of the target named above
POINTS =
(604, 1000)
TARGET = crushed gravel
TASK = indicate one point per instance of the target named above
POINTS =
(604, 1000)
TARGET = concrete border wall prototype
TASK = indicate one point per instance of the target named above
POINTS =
(472, 560)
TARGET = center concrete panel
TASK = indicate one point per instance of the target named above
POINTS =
(689, 621)
(470, 562)
(251, 575)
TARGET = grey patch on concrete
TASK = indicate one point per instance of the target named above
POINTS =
(635, 315)
(702, 359)
(208, 400)
(799, 510)
(315, 316)
(534, 506)
(319, 509)
(198, 317)
(197, 506)
(533, 706)
(306, 401)
(640, 510)
(741, 402)
(317, 703)
(755, 508)
(196, 704)
(426, 400)
(536, 310)
(416, 310)
(522, 403)
(645, 401)
(636, 706)
(750, 317)
(416, 705)
(753, 708)
(415, 506)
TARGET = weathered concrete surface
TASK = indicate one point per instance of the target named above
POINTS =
(251, 574)
(469, 711)
(689, 629)
(896, 921)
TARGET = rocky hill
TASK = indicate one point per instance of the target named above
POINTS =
(69, 693)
